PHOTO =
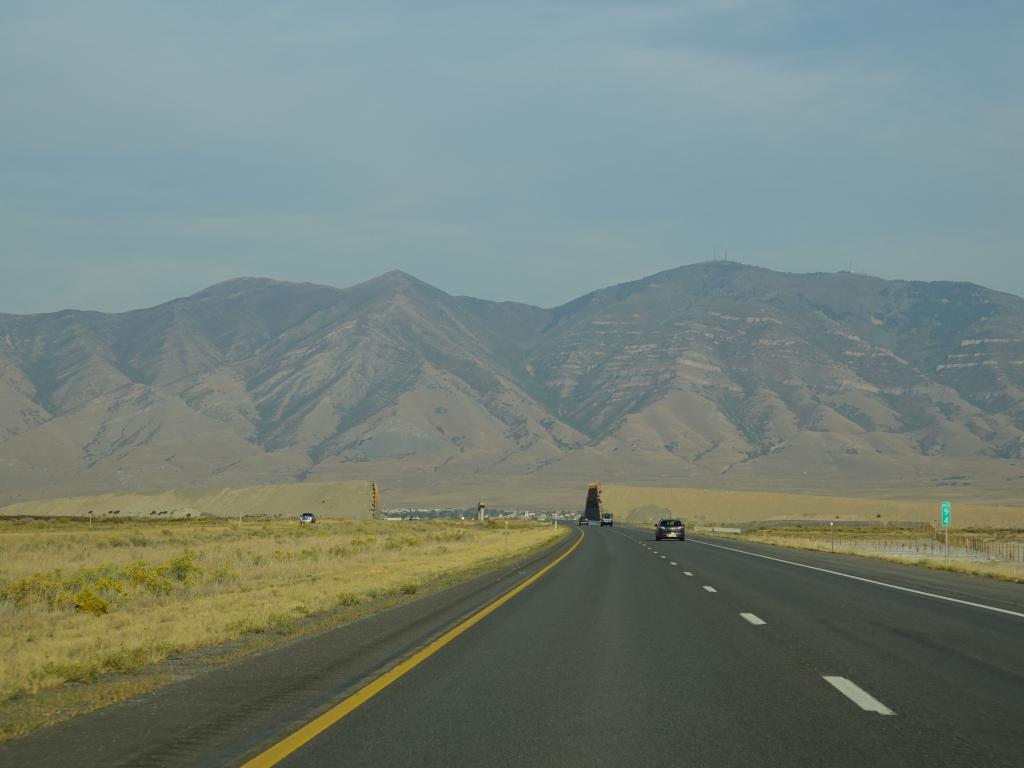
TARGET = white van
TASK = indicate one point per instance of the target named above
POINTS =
(606, 518)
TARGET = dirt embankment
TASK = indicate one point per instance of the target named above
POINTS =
(644, 504)
(348, 499)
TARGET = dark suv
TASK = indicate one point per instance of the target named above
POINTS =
(670, 528)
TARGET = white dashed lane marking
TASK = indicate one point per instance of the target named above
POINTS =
(857, 695)
(687, 573)
(709, 589)
(757, 622)
(671, 563)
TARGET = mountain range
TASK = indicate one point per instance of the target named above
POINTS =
(715, 374)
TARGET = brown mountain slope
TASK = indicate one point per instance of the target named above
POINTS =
(727, 366)
(254, 380)
(717, 373)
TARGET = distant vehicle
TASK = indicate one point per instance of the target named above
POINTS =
(670, 528)
(606, 518)
(307, 517)
(584, 520)
(414, 517)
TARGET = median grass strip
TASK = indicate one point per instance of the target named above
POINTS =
(89, 614)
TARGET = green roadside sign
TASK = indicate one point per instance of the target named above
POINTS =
(947, 513)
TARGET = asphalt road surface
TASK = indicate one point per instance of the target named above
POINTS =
(629, 652)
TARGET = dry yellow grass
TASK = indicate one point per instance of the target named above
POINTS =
(645, 504)
(859, 542)
(350, 499)
(78, 602)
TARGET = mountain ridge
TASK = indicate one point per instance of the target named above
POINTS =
(707, 373)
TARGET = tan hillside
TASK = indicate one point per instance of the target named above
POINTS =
(348, 499)
(716, 375)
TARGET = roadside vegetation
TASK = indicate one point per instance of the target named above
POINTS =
(82, 604)
(969, 549)
(644, 505)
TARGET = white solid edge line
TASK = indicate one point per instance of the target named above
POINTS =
(1007, 611)
(755, 620)
(857, 695)
(710, 589)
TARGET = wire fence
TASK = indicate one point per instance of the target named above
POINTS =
(927, 544)
(1002, 550)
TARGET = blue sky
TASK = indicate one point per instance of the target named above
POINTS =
(528, 151)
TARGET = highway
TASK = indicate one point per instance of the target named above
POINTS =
(626, 652)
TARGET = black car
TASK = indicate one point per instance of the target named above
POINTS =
(670, 528)
(307, 517)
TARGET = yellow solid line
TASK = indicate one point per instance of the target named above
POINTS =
(314, 728)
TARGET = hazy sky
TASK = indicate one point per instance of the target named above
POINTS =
(507, 150)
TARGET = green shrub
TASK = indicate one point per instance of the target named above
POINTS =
(457, 534)
(87, 601)
(183, 568)
(246, 627)
(126, 660)
(281, 621)
(111, 587)
(223, 575)
(147, 577)
(401, 541)
(85, 672)
(38, 588)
